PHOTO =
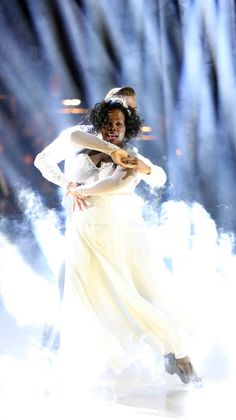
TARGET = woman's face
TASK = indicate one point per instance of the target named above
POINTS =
(114, 128)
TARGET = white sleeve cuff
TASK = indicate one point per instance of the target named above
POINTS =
(157, 178)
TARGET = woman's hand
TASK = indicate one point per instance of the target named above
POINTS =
(78, 200)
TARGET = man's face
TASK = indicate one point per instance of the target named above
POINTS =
(131, 101)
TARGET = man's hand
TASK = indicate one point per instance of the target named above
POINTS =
(122, 158)
(138, 165)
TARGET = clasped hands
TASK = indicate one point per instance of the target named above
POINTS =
(120, 157)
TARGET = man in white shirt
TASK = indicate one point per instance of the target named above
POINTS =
(62, 149)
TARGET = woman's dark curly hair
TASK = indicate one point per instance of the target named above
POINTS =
(98, 116)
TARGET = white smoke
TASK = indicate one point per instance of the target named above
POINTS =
(28, 295)
(201, 260)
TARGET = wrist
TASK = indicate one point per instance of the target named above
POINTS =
(112, 148)
(146, 170)
(72, 184)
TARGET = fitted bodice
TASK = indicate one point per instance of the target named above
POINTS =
(81, 168)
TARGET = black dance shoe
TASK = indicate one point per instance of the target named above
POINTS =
(184, 370)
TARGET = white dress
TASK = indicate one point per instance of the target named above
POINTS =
(110, 264)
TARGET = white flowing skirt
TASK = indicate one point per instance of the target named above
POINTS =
(115, 273)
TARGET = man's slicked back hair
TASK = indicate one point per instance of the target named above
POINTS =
(121, 91)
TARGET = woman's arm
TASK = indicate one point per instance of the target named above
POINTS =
(154, 175)
(114, 183)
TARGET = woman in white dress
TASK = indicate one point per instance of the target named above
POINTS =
(110, 263)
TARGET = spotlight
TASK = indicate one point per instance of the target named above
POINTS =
(178, 152)
(71, 102)
(146, 129)
(28, 159)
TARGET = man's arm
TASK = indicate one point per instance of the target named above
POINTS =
(47, 160)
(89, 141)
(74, 138)
(153, 175)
